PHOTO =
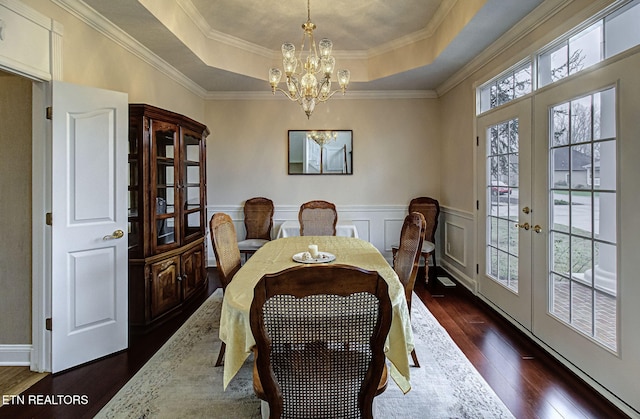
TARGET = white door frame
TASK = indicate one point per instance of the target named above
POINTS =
(51, 46)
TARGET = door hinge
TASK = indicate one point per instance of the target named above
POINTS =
(477, 269)
(48, 219)
(477, 141)
(477, 205)
(47, 323)
(49, 112)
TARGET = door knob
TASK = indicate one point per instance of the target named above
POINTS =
(537, 228)
(118, 234)
(526, 226)
(526, 210)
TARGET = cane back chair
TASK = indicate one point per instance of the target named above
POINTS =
(318, 218)
(430, 209)
(258, 222)
(407, 258)
(225, 248)
(320, 334)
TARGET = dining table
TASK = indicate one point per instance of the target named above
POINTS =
(277, 255)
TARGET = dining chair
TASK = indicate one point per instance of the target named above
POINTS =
(320, 334)
(407, 258)
(225, 248)
(318, 218)
(430, 209)
(258, 222)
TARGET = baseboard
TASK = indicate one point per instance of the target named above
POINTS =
(15, 355)
(459, 276)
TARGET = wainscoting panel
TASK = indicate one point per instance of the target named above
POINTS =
(379, 225)
(456, 246)
(456, 230)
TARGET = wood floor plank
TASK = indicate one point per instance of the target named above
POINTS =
(15, 380)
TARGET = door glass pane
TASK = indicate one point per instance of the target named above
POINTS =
(134, 235)
(192, 147)
(191, 166)
(132, 193)
(192, 223)
(165, 186)
(585, 49)
(583, 278)
(560, 297)
(621, 30)
(502, 200)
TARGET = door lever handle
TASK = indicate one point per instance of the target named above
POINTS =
(526, 226)
(118, 234)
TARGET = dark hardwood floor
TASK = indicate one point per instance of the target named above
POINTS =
(530, 383)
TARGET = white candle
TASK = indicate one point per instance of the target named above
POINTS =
(313, 249)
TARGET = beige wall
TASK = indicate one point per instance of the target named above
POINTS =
(93, 59)
(396, 151)
(15, 208)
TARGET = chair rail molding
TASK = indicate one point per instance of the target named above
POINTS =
(378, 224)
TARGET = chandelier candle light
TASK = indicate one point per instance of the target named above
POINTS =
(302, 84)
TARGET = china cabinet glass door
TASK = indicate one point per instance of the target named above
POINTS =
(134, 190)
(164, 146)
(193, 176)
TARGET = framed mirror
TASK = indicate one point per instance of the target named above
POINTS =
(320, 152)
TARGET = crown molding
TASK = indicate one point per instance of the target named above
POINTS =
(91, 17)
(203, 26)
(28, 13)
(351, 95)
(435, 22)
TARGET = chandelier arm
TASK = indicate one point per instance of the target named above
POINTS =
(295, 84)
(284, 92)
(327, 97)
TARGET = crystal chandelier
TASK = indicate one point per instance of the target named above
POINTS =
(302, 84)
(322, 137)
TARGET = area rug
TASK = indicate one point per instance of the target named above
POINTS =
(181, 381)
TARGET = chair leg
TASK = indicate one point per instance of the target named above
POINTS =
(426, 268)
(223, 346)
(415, 358)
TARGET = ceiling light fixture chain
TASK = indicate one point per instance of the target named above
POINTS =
(302, 84)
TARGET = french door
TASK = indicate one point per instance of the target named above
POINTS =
(504, 209)
(586, 196)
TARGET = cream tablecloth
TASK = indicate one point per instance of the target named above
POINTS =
(291, 228)
(276, 255)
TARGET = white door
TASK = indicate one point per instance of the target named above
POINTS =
(89, 229)
(587, 195)
(504, 209)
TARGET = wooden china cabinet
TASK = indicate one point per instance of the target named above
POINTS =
(167, 214)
